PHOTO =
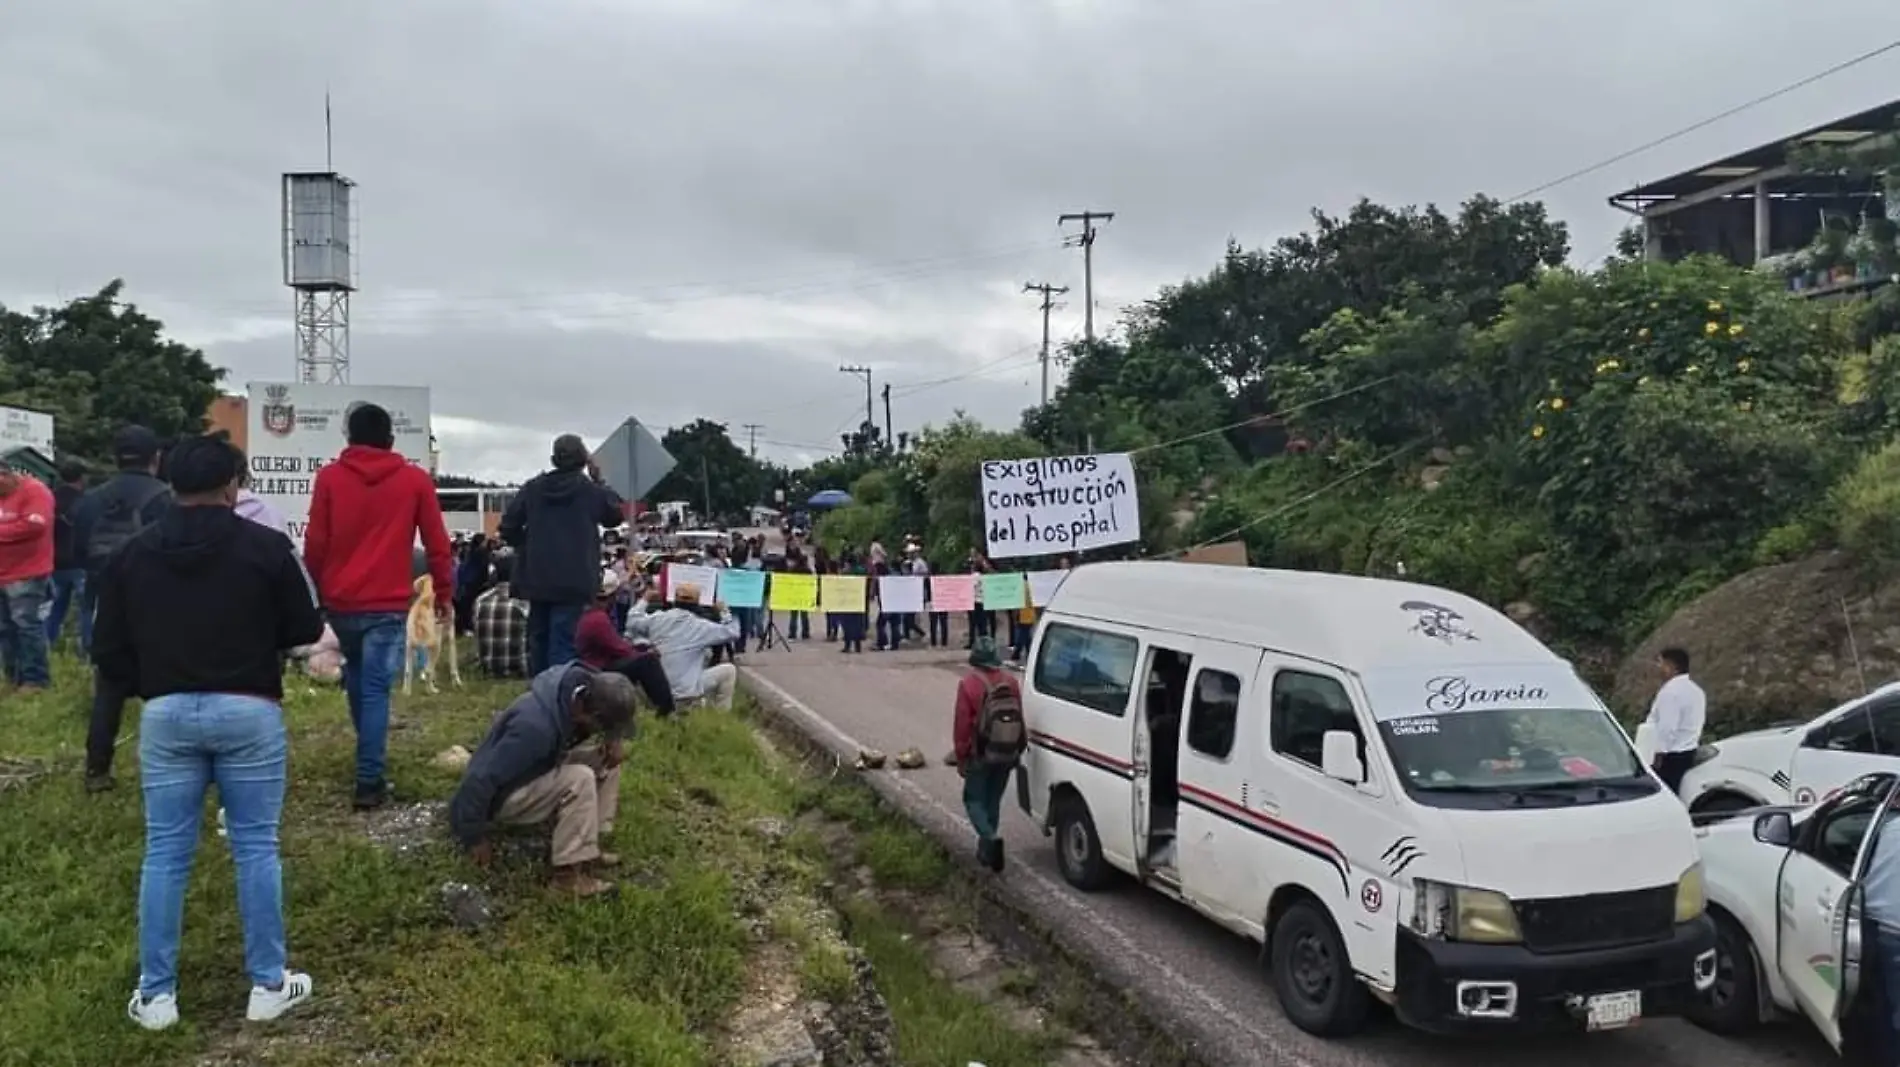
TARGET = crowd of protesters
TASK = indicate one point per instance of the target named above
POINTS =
(186, 593)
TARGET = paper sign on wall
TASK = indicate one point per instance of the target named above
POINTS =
(704, 580)
(794, 592)
(897, 594)
(742, 588)
(953, 592)
(1043, 585)
(841, 594)
(1004, 592)
(1057, 504)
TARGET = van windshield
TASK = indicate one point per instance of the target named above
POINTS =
(1509, 757)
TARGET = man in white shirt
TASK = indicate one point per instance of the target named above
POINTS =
(1676, 716)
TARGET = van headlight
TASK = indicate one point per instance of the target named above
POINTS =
(1461, 913)
(1691, 898)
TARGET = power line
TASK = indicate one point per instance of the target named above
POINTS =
(1303, 499)
(1255, 420)
(1710, 121)
(620, 304)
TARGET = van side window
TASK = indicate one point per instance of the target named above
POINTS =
(1873, 729)
(1305, 706)
(1213, 714)
(1087, 667)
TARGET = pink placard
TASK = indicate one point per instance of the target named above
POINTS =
(953, 592)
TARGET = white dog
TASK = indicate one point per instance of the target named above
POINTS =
(427, 638)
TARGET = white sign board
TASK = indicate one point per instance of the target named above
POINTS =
(33, 429)
(294, 429)
(1058, 504)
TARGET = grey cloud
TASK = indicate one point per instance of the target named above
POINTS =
(514, 154)
(549, 382)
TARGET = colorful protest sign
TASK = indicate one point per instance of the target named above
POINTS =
(1048, 506)
(1043, 585)
(841, 594)
(1004, 592)
(900, 594)
(794, 592)
(742, 588)
(953, 592)
(705, 580)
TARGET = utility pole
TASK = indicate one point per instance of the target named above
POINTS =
(1047, 306)
(705, 488)
(870, 420)
(1086, 239)
(890, 437)
(752, 436)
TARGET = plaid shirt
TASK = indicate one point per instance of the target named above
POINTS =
(501, 633)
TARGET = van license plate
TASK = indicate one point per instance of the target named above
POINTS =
(1613, 1011)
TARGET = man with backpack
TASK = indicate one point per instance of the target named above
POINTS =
(104, 521)
(990, 738)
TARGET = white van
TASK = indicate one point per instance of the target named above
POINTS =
(1395, 788)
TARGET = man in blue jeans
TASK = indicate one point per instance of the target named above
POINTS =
(193, 613)
(367, 510)
(554, 524)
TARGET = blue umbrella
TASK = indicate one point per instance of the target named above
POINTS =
(828, 499)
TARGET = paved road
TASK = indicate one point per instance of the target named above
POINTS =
(1202, 979)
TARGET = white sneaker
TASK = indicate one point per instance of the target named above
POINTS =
(268, 1004)
(157, 1013)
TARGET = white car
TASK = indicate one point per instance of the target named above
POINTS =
(1798, 763)
(1784, 888)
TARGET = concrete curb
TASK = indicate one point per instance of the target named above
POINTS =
(1107, 960)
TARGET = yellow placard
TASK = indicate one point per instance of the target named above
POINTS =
(841, 594)
(794, 592)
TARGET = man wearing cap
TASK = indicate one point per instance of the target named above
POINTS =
(553, 524)
(366, 511)
(104, 521)
(529, 770)
(982, 694)
(26, 577)
(683, 637)
(600, 647)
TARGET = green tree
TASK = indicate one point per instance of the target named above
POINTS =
(710, 471)
(1666, 417)
(98, 363)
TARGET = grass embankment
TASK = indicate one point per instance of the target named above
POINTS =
(647, 977)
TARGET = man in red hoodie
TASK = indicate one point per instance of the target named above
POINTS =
(366, 511)
(26, 573)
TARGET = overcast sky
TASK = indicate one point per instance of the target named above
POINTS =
(577, 210)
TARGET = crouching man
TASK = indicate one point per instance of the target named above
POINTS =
(528, 770)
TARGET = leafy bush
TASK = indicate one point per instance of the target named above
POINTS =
(1866, 507)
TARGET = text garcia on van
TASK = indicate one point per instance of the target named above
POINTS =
(1399, 791)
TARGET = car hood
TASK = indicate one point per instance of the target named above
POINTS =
(1562, 852)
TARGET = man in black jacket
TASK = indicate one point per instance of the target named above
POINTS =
(69, 564)
(193, 613)
(528, 771)
(554, 525)
(105, 519)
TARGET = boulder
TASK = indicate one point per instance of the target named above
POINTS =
(1777, 643)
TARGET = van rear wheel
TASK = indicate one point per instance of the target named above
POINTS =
(1078, 847)
(1313, 976)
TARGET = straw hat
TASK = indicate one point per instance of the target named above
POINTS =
(687, 593)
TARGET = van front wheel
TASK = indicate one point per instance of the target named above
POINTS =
(1313, 975)
(1078, 847)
